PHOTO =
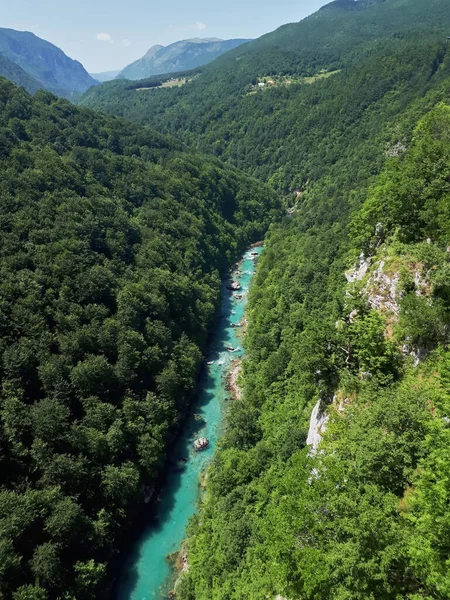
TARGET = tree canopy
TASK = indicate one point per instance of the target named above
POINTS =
(113, 243)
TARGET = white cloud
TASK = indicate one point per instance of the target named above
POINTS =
(126, 43)
(104, 37)
(197, 26)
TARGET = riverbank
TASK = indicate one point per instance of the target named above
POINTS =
(148, 574)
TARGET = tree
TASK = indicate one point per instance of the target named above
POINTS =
(46, 565)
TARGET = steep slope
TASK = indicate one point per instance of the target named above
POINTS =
(113, 241)
(219, 111)
(366, 515)
(179, 56)
(14, 73)
(45, 62)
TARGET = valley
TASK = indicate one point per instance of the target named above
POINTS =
(114, 244)
(139, 456)
(147, 571)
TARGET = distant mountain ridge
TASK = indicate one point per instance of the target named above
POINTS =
(105, 75)
(179, 56)
(45, 62)
(350, 4)
(17, 75)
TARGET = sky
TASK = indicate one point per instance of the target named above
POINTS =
(107, 35)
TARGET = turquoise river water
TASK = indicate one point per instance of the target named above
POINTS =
(147, 573)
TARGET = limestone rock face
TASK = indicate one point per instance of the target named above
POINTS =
(359, 272)
(317, 426)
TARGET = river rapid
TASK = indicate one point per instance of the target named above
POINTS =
(147, 574)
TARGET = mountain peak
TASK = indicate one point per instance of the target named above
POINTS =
(342, 5)
(179, 56)
(153, 51)
(44, 62)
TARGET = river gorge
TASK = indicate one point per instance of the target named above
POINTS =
(147, 572)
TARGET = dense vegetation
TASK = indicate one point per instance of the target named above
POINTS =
(117, 239)
(388, 55)
(113, 242)
(366, 516)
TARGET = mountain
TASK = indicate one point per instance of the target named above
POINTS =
(113, 243)
(14, 73)
(331, 480)
(45, 62)
(218, 111)
(180, 56)
(105, 76)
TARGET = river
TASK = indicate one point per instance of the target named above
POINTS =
(147, 574)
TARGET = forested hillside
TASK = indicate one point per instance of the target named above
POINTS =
(349, 315)
(331, 482)
(364, 514)
(113, 243)
(380, 57)
(44, 62)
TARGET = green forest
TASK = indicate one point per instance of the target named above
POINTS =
(362, 158)
(388, 56)
(113, 243)
(367, 515)
(120, 218)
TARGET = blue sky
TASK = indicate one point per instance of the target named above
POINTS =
(109, 34)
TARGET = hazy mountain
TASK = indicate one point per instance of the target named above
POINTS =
(46, 63)
(17, 75)
(105, 76)
(180, 56)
